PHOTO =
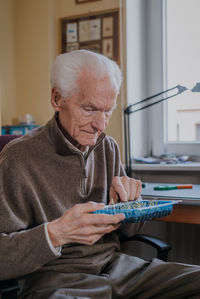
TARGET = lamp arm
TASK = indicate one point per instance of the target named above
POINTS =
(180, 89)
(152, 104)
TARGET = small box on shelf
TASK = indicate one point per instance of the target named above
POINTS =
(18, 129)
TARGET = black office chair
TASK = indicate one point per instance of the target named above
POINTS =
(9, 288)
(4, 139)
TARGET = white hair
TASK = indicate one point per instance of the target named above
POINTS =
(67, 67)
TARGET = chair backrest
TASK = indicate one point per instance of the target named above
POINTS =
(4, 139)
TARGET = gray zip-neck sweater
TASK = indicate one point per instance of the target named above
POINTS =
(41, 176)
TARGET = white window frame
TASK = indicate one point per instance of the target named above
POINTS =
(145, 70)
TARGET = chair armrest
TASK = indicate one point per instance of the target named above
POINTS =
(9, 288)
(161, 246)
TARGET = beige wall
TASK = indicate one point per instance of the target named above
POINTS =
(7, 61)
(31, 42)
(33, 58)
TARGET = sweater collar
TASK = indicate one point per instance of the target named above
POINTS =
(60, 141)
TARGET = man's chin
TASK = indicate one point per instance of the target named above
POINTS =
(89, 142)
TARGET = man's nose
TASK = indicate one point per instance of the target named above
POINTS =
(99, 121)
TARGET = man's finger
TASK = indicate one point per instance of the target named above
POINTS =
(119, 188)
(138, 189)
(113, 196)
(88, 207)
(126, 184)
(102, 219)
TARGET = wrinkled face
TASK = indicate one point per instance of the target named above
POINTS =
(85, 114)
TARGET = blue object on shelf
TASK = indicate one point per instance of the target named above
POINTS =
(17, 130)
(141, 210)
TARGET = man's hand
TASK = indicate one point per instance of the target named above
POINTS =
(80, 225)
(125, 188)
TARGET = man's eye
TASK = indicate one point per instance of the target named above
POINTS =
(88, 111)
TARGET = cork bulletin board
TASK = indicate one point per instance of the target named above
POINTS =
(96, 32)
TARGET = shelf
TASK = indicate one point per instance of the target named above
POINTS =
(193, 166)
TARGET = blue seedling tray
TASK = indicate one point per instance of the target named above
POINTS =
(140, 210)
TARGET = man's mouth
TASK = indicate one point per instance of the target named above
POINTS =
(91, 133)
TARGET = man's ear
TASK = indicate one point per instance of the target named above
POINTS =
(55, 99)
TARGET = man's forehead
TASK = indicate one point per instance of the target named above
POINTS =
(91, 78)
(104, 104)
(96, 92)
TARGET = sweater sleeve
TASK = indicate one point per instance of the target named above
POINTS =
(24, 247)
(23, 252)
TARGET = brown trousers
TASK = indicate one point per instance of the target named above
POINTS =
(126, 277)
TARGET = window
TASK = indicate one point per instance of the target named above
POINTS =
(183, 67)
(162, 47)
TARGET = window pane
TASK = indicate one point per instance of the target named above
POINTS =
(183, 67)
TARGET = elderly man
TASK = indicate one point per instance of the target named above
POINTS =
(53, 178)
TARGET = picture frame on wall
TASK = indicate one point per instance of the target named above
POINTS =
(98, 32)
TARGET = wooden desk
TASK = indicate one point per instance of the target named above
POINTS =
(188, 211)
(183, 214)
